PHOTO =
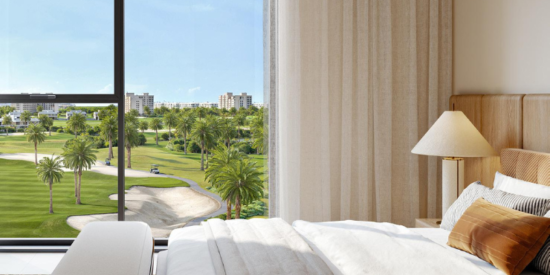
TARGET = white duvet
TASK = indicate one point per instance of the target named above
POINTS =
(347, 247)
(380, 248)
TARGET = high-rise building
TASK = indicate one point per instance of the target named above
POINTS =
(137, 102)
(228, 101)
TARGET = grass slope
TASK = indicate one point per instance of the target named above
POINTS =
(24, 200)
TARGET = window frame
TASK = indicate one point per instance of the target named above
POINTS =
(62, 244)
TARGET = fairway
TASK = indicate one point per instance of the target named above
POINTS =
(24, 200)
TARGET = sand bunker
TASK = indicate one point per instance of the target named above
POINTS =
(163, 209)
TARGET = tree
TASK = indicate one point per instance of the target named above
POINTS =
(147, 110)
(232, 111)
(49, 171)
(184, 127)
(101, 114)
(79, 155)
(241, 184)
(76, 123)
(156, 125)
(219, 164)
(202, 133)
(170, 120)
(26, 117)
(226, 130)
(39, 108)
(143, 125)
(259, 136)
(201, 112)
(210, 143)
(133, 112)
(6, 120)
(113, 110)
(46, 122)
(35, 134)
(131, 140)
(109, 129)
(240, 120)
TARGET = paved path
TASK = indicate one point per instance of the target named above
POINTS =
(101, 168)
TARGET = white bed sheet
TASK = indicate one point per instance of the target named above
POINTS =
(188, 251)
(441, 236)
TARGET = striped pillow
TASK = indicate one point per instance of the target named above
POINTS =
(533, 206)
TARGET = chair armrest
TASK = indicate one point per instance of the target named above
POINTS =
(110, 248)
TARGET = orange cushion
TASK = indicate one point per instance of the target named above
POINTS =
(506, 238)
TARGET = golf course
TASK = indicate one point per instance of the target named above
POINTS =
(24, 197)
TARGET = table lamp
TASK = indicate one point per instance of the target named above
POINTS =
(453, 137)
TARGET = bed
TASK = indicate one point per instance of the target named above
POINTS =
(343, 246)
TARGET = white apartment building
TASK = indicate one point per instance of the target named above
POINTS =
(137, 102)
(258, 105)
(228, 101)
(209, 105)
(50, 113)
(69, 114)
(16, 119)
(31, 107)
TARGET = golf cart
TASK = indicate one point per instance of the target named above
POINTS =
(154, 169)
(108, 162)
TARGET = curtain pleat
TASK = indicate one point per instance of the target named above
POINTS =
(359, 83)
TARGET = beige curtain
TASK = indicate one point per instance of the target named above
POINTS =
(359, 83)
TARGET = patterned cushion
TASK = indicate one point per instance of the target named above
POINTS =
(533, 206)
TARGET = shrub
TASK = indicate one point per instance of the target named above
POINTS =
(20, 130)
(142, 139)
(165, 136)
(193, 147)
(100, 143)
(179, 148)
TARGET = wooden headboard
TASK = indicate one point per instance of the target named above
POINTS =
(506, 121)
(526, 165)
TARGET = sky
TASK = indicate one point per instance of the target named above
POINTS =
(177, 50)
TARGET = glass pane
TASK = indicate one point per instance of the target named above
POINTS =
(25, 195)
(202, 62)
(56, 46)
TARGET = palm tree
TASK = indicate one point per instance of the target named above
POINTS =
(259, 138)
(221, 159)
(109, 129)
(133, 112)
(184, 127)
(170, 120)
(101, 114)
(46, 122)
(77, 122)
(241, 183)
(26, 117)
(227, 131)
(131, 140)
(240, 120)
(143, 125)
(79, 155)
(201, 112)
(156, 125)
(35, 134)
(39, 108)
(6, 120)
(49, 171)
(131, 118)
(212, 122)
(147, 110)
(203, 134)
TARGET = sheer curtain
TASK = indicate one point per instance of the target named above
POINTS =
(358, 84)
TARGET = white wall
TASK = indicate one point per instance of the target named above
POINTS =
(501, 46)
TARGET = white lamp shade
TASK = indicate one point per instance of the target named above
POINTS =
(453, 135)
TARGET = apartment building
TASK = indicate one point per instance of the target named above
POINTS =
(228, 101)
(138, 102)
(31, 107)
(209, 105)
(69, 114)
(50, 113)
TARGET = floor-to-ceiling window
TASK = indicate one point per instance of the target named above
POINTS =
(191, 89)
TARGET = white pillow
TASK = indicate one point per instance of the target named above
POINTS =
(521, 187)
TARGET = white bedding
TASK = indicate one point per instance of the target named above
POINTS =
(188, 252)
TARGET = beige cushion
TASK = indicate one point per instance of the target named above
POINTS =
(110, 248)
(526, 165)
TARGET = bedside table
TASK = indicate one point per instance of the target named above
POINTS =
(428, 223)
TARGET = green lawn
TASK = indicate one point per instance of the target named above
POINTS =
(24, 200)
